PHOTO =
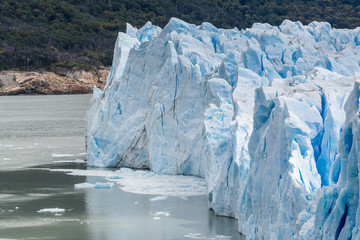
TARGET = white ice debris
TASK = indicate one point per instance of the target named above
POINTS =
(103, 185)
(166, 214)
(96, 185)
(142, 182)
(159, 198)
(51, 210)
(71, 161)
(83, 185)
(158, 215)
(63, 155)
(145, 182)
(202, 237)
(259, 113)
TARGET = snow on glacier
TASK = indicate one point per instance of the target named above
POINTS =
(257, 112)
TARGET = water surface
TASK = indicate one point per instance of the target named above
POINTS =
(33, 128)
(41, 133)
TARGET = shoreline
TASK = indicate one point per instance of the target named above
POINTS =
(51, 83)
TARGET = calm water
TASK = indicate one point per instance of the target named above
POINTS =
(33, 128)
(41, 132)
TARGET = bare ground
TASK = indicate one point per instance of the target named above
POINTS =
(71, 82)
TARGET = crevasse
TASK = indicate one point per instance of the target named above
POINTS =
(258, 113)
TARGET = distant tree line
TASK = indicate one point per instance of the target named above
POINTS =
(81, 33)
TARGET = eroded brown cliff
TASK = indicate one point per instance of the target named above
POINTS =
(69, 82)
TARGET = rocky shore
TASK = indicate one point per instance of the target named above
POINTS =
(43, 82)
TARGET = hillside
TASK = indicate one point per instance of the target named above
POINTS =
(58, 34)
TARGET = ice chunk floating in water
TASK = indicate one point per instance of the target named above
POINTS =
(143, 182)
(84, 185)
(96, 185)
(103, 185)
(51, 210)
(259, 113)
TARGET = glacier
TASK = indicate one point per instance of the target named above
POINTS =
(268, 116)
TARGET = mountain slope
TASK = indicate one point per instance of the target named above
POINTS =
(80, 34)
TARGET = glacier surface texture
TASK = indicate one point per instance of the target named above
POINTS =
(269, 116)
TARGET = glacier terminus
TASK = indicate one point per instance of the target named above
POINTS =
(268, 116)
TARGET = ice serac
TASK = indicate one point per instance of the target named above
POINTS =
(337, 214)
(291, 131)
(257, 112)
(282, 154)
(148, 117)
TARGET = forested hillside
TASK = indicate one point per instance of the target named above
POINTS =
(81, 33)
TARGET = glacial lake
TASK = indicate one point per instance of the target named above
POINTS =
(41, 161)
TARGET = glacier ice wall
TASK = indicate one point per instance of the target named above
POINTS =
(336, 212)
(258, 113)
(290, 125)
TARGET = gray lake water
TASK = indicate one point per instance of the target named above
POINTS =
(38, 134)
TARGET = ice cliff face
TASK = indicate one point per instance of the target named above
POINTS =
(336, 209)
(258, 113)
(293, 127)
